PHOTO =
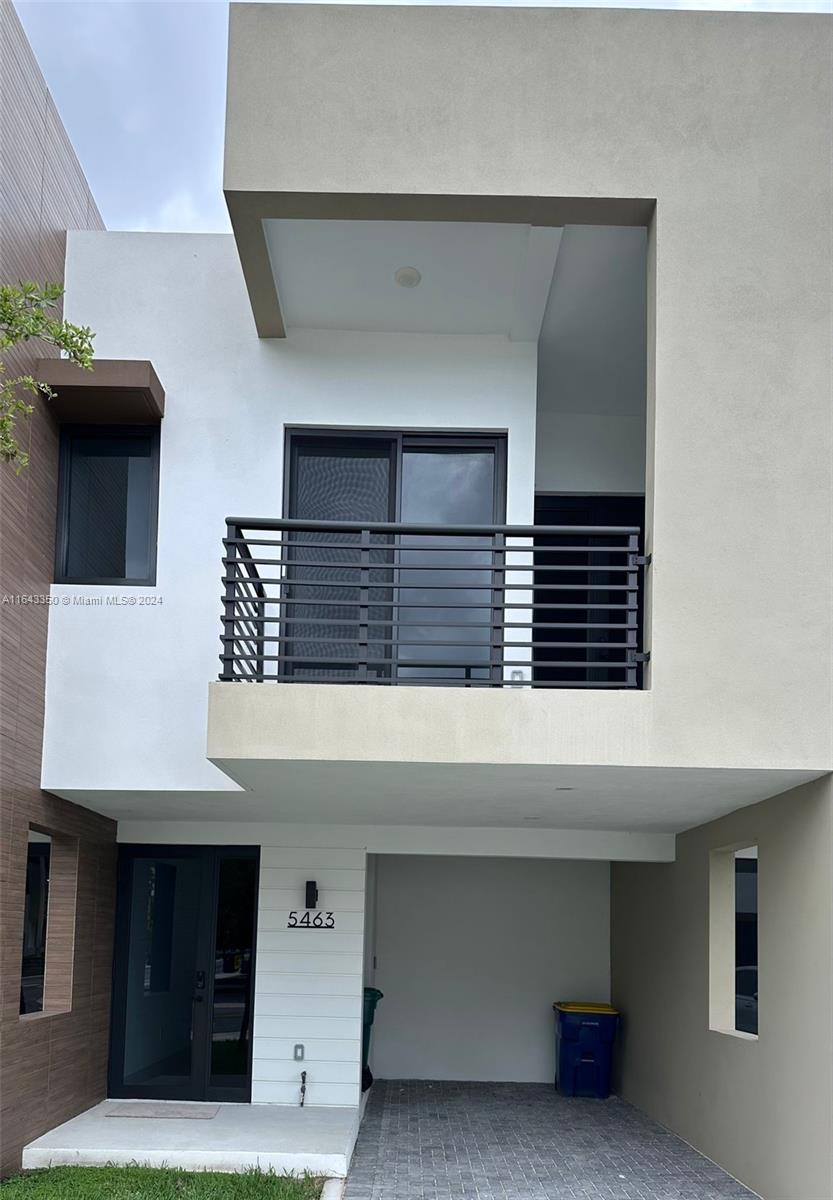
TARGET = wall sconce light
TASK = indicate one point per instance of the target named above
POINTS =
(311, 894)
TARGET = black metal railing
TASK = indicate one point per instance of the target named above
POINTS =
(466, 606)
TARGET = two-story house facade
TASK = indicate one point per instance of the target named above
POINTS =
(460, 625)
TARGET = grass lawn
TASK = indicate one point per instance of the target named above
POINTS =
(156, 1183)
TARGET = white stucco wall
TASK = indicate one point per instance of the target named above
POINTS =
(470, 955)
(127, 686)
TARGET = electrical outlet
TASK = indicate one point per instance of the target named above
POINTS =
(298, 1053)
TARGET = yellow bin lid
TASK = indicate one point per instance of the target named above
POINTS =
(576, 1006)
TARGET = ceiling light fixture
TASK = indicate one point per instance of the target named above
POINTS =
(407, 277)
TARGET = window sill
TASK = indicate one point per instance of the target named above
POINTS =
(44, 1013)
(736, 1033)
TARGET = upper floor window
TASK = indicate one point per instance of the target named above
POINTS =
(108, 505)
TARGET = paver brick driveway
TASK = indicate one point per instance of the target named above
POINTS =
(507, 1141)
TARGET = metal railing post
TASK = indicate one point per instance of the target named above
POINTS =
(632, 626)
(496, 653)
(364, 604)
(230, 553)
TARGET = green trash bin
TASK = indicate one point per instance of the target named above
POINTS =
(372, 996)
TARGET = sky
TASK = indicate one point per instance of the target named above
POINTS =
(140, 86)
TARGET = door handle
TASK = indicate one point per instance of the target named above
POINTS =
(200, 980)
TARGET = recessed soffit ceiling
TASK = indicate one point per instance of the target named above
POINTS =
(475, 277)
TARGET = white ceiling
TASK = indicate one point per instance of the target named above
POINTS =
(477, 278)
(477, 795)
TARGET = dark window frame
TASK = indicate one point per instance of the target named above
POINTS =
(68, 434)
(400, 440)
(396, 442)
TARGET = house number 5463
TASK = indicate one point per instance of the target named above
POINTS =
(311, 920)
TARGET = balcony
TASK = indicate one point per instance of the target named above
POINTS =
(477, 606)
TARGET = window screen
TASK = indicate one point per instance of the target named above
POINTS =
(107, 530)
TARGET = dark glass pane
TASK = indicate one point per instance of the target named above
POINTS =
(232, 1009)
(161, 965)
(338, 483)
(446, 628)
(746, 943)
(109, 508)
(34, 922)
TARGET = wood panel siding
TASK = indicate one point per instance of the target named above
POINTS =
(52, 1065)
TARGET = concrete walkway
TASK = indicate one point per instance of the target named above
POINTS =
(199, 1137)
(504, 1141)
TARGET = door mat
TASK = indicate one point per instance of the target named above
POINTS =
(169, 1111)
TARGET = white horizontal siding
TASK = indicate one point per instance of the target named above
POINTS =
(308, 982)
(310, 963)
(318, 859)
(328, 1094)
(310, 941)
(280, 900)
(278, 1070)
(280, 983)
(308, 1027)
(316, 1050)
(293, 878)
(303, 1005)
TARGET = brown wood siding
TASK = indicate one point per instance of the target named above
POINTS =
(52, 1066)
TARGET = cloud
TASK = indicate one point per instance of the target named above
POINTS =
(181, 212)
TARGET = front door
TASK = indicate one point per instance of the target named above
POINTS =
(184, 970)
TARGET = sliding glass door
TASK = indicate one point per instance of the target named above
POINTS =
(442, 626)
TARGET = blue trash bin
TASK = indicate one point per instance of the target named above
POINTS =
(584, 1035)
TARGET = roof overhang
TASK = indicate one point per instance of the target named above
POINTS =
(117, 391)
(250, 211)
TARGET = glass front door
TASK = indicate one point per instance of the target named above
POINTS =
(182, 992)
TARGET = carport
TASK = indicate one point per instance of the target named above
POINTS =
(470, 952)
(423, 1140)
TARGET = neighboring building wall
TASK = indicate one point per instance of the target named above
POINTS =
(760, 1107)
(470, 955)
(229, 398)
(53, 1065)
(592, 360)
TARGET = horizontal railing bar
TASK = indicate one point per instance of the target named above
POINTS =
(248, 639)
(406, 527)
(428, 681)
(441, 587)
(396, 622)
(417, 664)
(358, 565)
(441, 546)
(377, 603)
